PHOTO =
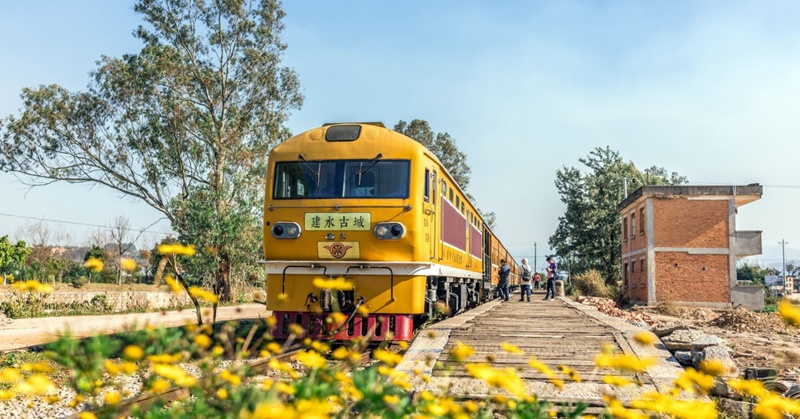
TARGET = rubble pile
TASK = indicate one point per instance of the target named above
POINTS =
(609, 307)
(743, 320)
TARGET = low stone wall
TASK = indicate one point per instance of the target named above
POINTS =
(119, 300)
(750, 297)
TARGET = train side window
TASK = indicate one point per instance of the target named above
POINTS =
(433, 185)
(451, 194)
(427, 185)
(444, 188)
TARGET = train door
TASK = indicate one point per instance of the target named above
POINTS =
(429, 211)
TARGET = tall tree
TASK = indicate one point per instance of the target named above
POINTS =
(197, 109)
(589, 232)
(12, 255)
(442, 145)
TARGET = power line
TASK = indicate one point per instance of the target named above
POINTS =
(145, 230)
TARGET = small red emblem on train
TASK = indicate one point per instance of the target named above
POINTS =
(338, 250)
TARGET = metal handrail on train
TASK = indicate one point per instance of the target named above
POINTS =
(311, 266)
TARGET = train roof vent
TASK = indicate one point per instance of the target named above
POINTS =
(377, 124)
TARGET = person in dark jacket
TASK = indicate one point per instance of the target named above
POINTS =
(502, 285)
(550, 294)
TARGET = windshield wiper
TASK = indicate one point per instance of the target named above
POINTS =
(311, 168)
(374, 162)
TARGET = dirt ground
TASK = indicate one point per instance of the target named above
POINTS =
(759, 340)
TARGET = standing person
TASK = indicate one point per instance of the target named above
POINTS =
(525, 283)
(551, 279)
(536, 280)
(502, 284)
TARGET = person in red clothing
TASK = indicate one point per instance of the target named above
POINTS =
(536, 280)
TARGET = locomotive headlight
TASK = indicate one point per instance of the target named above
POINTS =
(389, 231)
(286, 230)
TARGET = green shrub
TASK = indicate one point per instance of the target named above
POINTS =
(80, 281)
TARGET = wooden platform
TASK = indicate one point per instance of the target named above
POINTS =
(552, 331)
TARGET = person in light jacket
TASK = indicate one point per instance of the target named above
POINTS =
(525, 281)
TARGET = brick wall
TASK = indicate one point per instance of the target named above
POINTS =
(637, 278)
(680, 222)
(682, 277)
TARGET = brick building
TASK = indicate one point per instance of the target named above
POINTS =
(680, 244)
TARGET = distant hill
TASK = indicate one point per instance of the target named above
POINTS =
(771, 257)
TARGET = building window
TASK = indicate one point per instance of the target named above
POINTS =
(451, 194)
(625, 274)
(633, 266)
(633, 225)
(625, 228)
(641, 220)
(641, 263)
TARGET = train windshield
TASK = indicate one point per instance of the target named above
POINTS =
(342, 179)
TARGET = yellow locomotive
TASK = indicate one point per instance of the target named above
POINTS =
(361, 202)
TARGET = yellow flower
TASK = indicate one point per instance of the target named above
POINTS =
(271, 410)
(6, 395)
(471, 406)
(282, 298)
(176, 374)
(645, 338)
(391, 399)
(173, 283)
(112, 397)
(790, 313)
(133, 352)
(623, 362)
(217, 351)
(513, 349)
(234, 379)
(10, 375)
(691, 380)
(128, 367)
(165, 358)
(569, 372)
(86, 415)
(752, 387)
(333, 284)
(36, 367)
(363, 311)
(33, 286)
(312, 359)
(616, 381)
(222, 394)
(541, 367)
(712, 367)
(202, 294)
(159, 385)
(284, 388)
(36, 384)
(93, 264)
(127, 264)
(176, 249)
(202, 340)
(313, 408)
(460, 352)
(388, 358)
(403, 345)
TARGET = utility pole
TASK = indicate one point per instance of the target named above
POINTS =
(783, 244)
(534, 257)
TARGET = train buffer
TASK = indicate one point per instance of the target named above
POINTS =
(560, 332)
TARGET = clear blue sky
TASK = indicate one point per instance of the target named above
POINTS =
(708, 89)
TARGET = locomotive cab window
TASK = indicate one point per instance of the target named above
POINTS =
(341, 179)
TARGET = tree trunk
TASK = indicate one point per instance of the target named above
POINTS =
(223, 278)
